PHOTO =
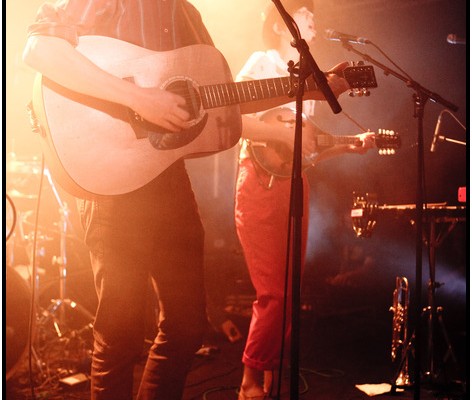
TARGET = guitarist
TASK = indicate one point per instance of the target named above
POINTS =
(262, 203)
(154, 231)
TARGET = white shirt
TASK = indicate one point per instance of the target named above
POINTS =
(263, 65)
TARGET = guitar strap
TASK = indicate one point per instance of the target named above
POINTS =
(260, 173)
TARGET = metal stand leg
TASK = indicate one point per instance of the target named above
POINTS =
(433, 312)
(432, 315)
(59, 345)
(60, 305)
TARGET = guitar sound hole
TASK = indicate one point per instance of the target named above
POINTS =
(185, 88)
(197, 120)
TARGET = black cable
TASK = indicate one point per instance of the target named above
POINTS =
(33, 284)
(13, 216)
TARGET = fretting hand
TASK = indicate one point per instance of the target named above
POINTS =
(368, 142)
(338, 84)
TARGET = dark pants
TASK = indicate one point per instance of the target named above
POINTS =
(154, 232)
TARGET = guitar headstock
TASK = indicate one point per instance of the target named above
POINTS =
(387, 142)
(360, 77)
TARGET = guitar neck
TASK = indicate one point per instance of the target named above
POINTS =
(386, 141)
(331, 140)
(359, 78)
(226, 94)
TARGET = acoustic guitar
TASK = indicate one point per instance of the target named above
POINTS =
(276, 157)
(93, 147)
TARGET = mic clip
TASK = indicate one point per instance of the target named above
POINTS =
(294, 71)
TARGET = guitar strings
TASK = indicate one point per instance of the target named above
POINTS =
(221, 94)
(231, 94)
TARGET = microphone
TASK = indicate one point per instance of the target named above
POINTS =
(436, 134)
(331, 34)
(452, 38)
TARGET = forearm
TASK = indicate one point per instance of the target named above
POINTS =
(332, 152)
(57, 60)
(256, 130)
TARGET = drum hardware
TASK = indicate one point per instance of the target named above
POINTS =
(17, 300)
(364, 213)
(59, 305)
(21, 196)
(25, 241)
(30, 166)
(57, 345)
(17, 328)
(22, 177)
(10, 217)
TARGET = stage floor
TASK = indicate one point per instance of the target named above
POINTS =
(338, 351)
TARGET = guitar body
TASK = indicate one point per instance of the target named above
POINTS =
(276, 157)
(95, 147)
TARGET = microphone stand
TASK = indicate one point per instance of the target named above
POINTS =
(446, 139)
(421, 96)
(307, 66)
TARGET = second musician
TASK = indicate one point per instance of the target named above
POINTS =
(262, 199)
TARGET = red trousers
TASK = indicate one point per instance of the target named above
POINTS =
(262, 223)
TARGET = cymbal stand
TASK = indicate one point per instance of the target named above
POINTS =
(57, 310)
(17, 237)
(58, 305)
(61, 262)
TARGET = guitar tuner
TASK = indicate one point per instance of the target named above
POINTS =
(387, 152)
(387, 142)
(359, 92)
(356, 63)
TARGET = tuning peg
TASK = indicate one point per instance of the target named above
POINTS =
(359, 92)
(386, 152)
(356, 92)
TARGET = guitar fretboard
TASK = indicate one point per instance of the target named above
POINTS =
(225, 94)
(328, 140)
